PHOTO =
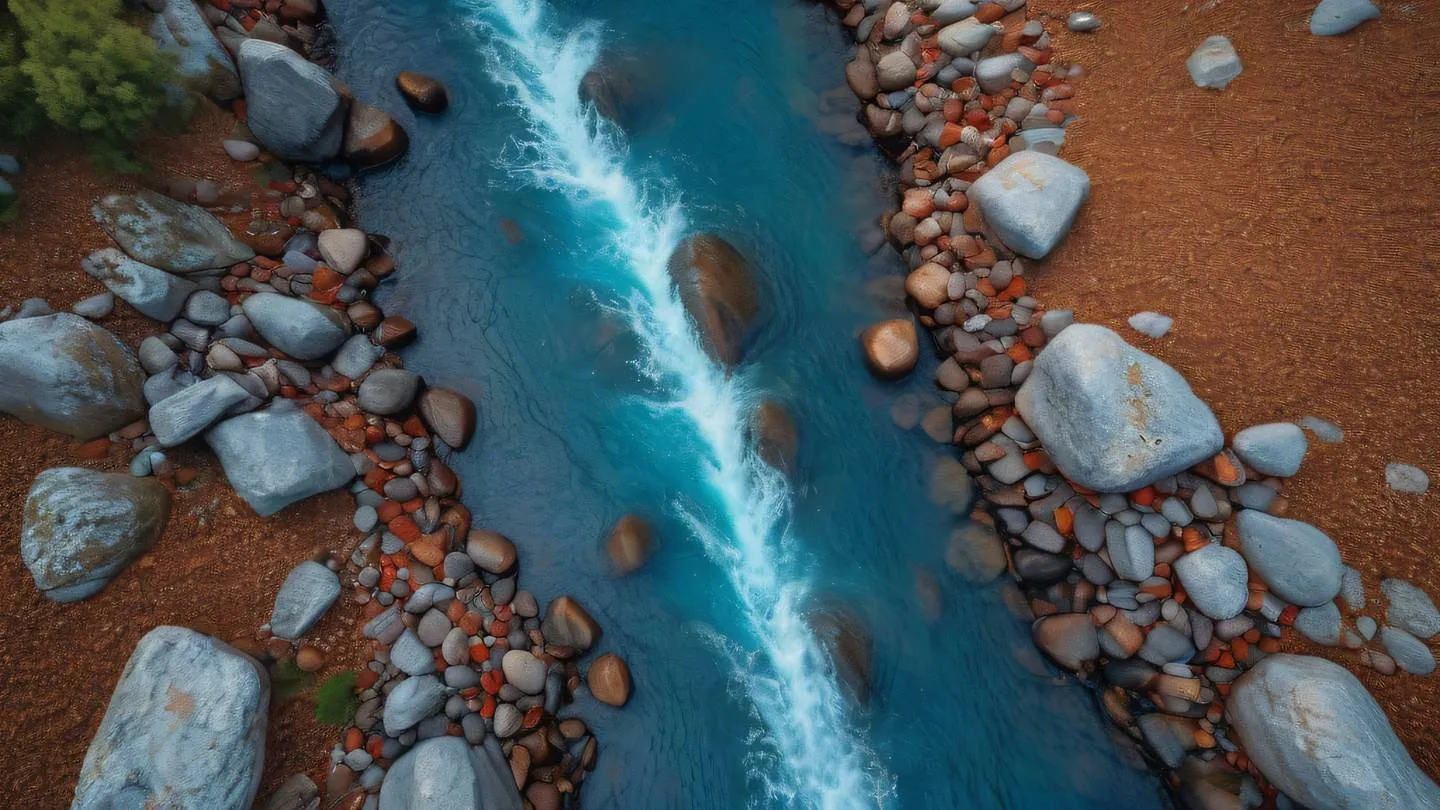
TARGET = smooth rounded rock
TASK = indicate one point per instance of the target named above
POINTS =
(568, 624)
(491, 551)
(1214, 64)
(422, 92)
(1410, 653)
(302, 329)
(1410, 608)
(1335, 17)
(629, 543)
(891, 348)
(343, 248)
(447, 773)
(1216, 580)
(1082, 21)
(66, 374)
(293, 106)
(388, 391)
(609, 680)
(1274, 449)
(1298, 561)
(450, 414)
(524, 671)
(1069, 639)
(717, 287)
(895, 71)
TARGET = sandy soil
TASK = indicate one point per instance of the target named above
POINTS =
(1288, 224)
(218, 565)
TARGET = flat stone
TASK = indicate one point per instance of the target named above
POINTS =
(1320, 624)
(1273, 449)
(278, 456)
(184, 728)
(64, 373)
(1406, 478)
(1410, 653)
(81, 528)
(1030, 200)
(1113, 418)
(411, 656)
(1151, 324)
(1335, 17)
(891, 348)
(415, 699)
(1410, 608)
(388, 391)
(1317, 734)
(189, 412)
(1216, 579)
(356, 356)
(1214, 64)
(1298, 561)
(446, 773)
(294, 106)
(168, 234)
(95, 307)
(1132, 553)
(302, 329)
(309, 590)
(524, 671)
(154, 292)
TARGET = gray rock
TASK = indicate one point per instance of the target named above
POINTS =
(278, 456)
(294, 106)
(1030, 200)
(1320, 624)
(356, 357)
(34, 308)
(1069, 639)
(343, 249)
(168, 234)
(507, 720)
(1273, 449)
(202, 63)
(1317, 735)
(9, 165)
(1214, 64)
(1298, 561)
(1216, 579)
(67, 374)
(95, 307)
(309, 590)
(388, 391)
(524, 671)
(296, 793)
(1334, 17)
(1406, 478)
(895, 71)
(1165, 644)
(1326, 432)
(1410, 608)
(183, 415)
(412, 701)
(241, 150)
(156, 356)
(965, 37)
(185, 728)
(82, 527)
(207, 309)
(1410, 653)
(411, 655)
(1132, 553)
(1112, 417)
(993, 74)
(446, 773)
(302, 329)
(1082, 21)
(949, 11)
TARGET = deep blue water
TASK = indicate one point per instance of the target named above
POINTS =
(580, 423)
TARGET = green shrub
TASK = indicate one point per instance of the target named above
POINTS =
(287, 680)
(335, 702)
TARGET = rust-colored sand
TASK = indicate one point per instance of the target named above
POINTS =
(218, 565)
(1288, 224)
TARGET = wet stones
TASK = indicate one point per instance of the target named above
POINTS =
(1274, 449)
(609, 680)
(842, 634)
(568, 624)
(185, 726)
(67, 374)
(717, 287)
(422, 92)
(1216, 579)
(1112, 417)
(891, 348)
(293, 105)
(451, 415)
(1300, 563)
(1069, 639)
(81, 528)
(372, 137)
(1031, 199)
(278, 456)
(309, 590)
(1335, 17)
(168, 234)
(1214, 64)
(628, 543)
(302, 329)
(1318, 735)
(445, 773)
(388, 391)
(775, 436)
(895, 71)
(490, 551)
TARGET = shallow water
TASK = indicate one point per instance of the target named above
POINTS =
(595, 403)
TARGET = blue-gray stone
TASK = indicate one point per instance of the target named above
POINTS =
(1216, 579)
(1030, 200)
(81, 528)
(168, 234)
(1335, 17)
(309, 590)
(67, 374)
(388, 391)
(1165, 644)
(202, 63)
(356, 357)
(965, 37)
(278, 456)
(1082, 21)
(9, 165)
(412, 701)
(993, 73)
(1317, 734)
(294, 106)
(1410, 653)
(1045, 139)
(95, 307)
(187, 413)
(207, 308)
(1113, 418)
(1406, 478)
(951, 11)
(411, 655)
(1325, 431)
(302, 329)
(1320, 624)
(1273, 449)
(1410, 608)
(1214, 64)
(1298, 561)
(1132, 553)
(185, 728)
(447, 773)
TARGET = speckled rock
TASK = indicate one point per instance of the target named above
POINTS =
(203, 65)
(302, 329)
(1273, 449)
(1030, 200)
(154, 292)
(1410, 608)
(168, 234)
(1320, 624)
(67, 374)
(278, 456)
(309, 590)
(415, 699)
(446, 773)
(295, 107)
(1298, 561)
(1216, 579)
(1410, 653)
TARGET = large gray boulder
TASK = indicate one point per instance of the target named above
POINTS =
(302, 329)
(82, 527)
(185, 728)
(447, 773)
(294, 106)
(717, 287)
(67, 374)
(1030, 200)
(1112, 417)
(1298, 561)
(1316, 734)
(167, 233)
(154, 292)
(278, 456)
(184, 415)
(202, 62)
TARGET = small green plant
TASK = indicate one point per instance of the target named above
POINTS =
(287, 680)
(335, 702)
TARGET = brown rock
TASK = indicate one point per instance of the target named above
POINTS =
(543, 796)
(891, 348)
(372, 137)
(860, 75)
(716, 285)
(776, 439)
(451, 415)
(929, 284)
(841, 631)
(568, 624)
(629, 543)
(394, 331)
(309, 659)
(492, 551)
(364, 315)
(424, 93)
(520, 766)
(609, 679)
(1068, 638)
(267, 237)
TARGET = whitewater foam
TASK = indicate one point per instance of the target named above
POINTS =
(786, 676)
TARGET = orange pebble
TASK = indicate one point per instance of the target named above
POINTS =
(354, 738)
(1144, 497)
(1064, 520)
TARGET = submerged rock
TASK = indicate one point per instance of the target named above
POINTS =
(295, 107)
(847, 643)
(446, 773)
(629, 543)
(1316, 734)
(422, 92)
(67, 374)
(891, 348)
(610, 87)
(1030, 199)
(717, 287)
(278, 456)
(1113, 418)
(776, 438)
(185, 728)
(167, 233)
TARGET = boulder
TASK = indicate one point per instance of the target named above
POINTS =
(609, 680)
(302, 329)
(1298, 561)
(168, 234)
(278, 456)
(308, 591)
(1216, 580)
(1113, 418)
(1273, 449)
(891, 348)
(1214, 64)
(610, 87)
(82, 527)
(413, 700)
(186, 414)
(185, 728)
(67, 374)
(421, 92)
(1334, 17)
(568, 624)
(446, 773)
(717, 288)
(372, 137)
(776, 438)
(343, 248)
(1030, 200)
(203, 65)
(294, 106)
(1315, 733)
(451, 415)
(629, 543)
(388, 391)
